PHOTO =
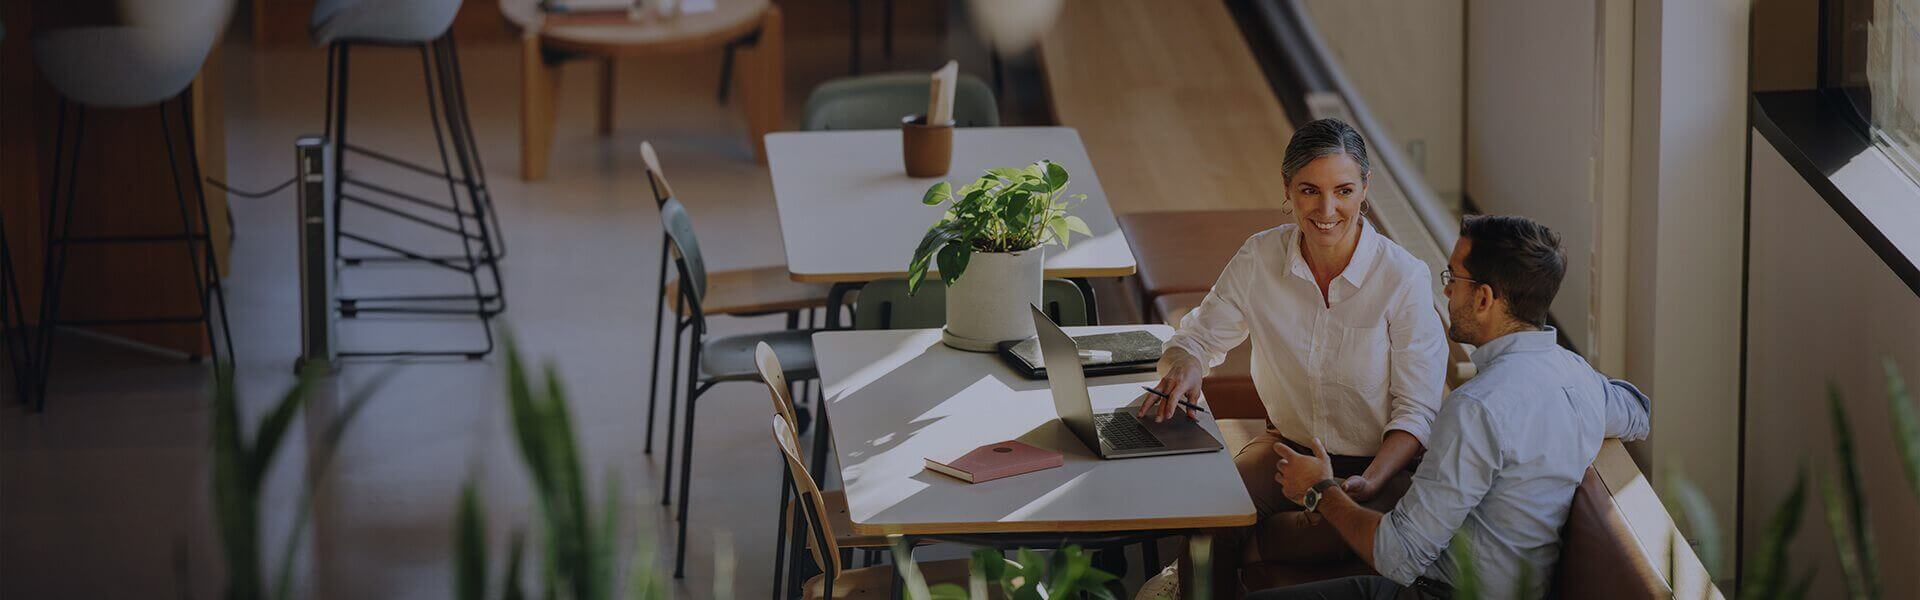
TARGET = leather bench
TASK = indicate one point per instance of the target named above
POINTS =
(1599, 555)
(1184, 251)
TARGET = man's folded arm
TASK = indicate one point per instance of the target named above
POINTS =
(1628, 411)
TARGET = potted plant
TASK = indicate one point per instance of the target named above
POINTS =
(994, 232)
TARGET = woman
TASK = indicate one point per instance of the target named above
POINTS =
(1347, 348)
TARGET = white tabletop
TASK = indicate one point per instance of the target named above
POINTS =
(849, 212)
(897, 397)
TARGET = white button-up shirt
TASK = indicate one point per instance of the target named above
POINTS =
(1366, 360)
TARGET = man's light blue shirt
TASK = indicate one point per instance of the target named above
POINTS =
(1507, 450)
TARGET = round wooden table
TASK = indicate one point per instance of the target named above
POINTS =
(753, 27)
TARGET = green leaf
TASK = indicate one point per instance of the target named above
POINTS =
(470, 548)
(273, 429)
(1853, 491)
(1769, 568)
(510, 588)
(948, 591)
(1466, 578)
(1906, 424)
(236, 501)
(940, 192)
(1078, 225)
(953, 262)
(1687, 500)
(1056, 176)
(1058, 229)
(1837, 519)
(1007, 174)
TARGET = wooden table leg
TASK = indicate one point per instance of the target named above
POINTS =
(606, 96)
(763, 82)
(539, 83)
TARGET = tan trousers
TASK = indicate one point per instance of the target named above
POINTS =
(1283, 531)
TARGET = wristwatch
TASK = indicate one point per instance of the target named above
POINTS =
(1312, 499)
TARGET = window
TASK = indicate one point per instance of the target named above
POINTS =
(1872, 54)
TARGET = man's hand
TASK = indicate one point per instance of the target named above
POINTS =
(1298, 472)
(1360, 488)
(1180, 382)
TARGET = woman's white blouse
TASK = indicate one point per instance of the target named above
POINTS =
(1371, 363)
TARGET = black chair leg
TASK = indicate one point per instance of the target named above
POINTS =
(780, 534)
(726, 72)
(853, 56)
(659, 308)
(59, 224)
(673, 406)
(211, 291)
(694, 389)
(886, 29)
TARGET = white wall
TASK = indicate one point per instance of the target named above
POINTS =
(1408, 60)
(1533, 102)
(1685, 234)
(1821, 305)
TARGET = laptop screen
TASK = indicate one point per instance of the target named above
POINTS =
(1068, 382)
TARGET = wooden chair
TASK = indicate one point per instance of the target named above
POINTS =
(836, 581)
(786, 549)
(737, 292)
(884, 304)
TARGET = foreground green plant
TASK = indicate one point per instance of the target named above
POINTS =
(1844, 507)
(240, 470)
(1005, 210)
(577, 553)
(1065, 573)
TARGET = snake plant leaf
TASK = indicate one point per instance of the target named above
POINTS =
(1837, 522)
(1769, 569)
(1466, 576)
(510, 587)
(948, 591)
(236, 500)
(470, 548)
(319, 458)
(940, 192)
(1853, 492)
(266, 443)
(1906, 424)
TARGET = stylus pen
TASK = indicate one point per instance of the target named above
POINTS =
(1187, 404)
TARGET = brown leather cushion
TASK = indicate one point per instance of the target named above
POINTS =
(1184, 251)
(1228, 387)
(1599, 556)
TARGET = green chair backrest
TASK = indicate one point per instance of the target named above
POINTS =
(881, 101)
(884, 304)
(693, 267)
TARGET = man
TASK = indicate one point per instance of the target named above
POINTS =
(1507, 449)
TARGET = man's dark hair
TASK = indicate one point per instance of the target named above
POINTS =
(1520, 259)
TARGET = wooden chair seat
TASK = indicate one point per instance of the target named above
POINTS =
(1185, 250)
(755, 290)
(877, 582)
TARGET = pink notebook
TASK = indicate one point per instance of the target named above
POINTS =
(997, 460)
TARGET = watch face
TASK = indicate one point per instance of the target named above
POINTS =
(1312, 500)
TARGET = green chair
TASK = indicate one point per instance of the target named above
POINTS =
(881, 101)
(711, 360)
(884, 304)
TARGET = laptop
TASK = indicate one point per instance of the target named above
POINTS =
(1115, 434)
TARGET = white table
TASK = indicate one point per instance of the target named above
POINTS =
(897, 397)
(849, 212)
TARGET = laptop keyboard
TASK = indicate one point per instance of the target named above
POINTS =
(1123, 431)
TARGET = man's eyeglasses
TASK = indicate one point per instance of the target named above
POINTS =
(1447, 278)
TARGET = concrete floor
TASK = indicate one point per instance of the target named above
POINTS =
(104, 494)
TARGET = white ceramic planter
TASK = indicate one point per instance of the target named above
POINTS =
(988, 304)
